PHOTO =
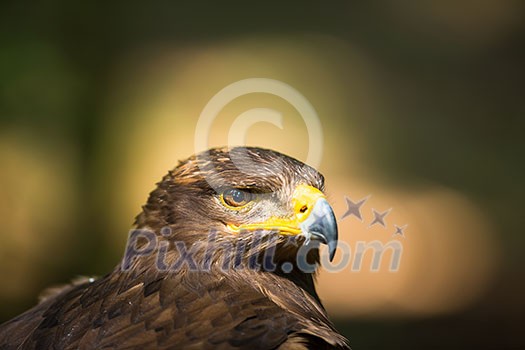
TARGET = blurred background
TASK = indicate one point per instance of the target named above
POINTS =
(421, 107)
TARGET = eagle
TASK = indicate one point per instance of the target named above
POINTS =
(223, 256)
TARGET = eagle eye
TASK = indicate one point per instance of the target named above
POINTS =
(235, 198)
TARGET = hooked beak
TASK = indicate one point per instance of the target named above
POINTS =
(321, 225)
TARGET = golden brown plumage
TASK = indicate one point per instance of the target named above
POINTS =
(232, 299)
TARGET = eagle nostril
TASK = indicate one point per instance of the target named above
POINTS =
(303, 209)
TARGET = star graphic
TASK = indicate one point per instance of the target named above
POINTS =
(400, 230)
(354, 208)
(379, 218)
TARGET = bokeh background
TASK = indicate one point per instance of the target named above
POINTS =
(421, 106)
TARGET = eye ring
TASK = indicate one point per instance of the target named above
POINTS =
(236, 198)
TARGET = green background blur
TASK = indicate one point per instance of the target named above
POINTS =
(449, 77)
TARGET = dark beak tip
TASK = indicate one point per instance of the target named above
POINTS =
(332, 248)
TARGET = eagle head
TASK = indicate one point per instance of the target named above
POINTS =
(241, 194)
